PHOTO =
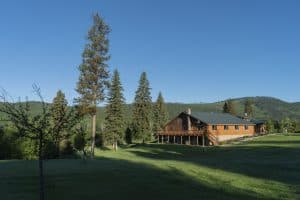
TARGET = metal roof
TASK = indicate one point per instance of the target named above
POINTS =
(258, 121)
(219, 118)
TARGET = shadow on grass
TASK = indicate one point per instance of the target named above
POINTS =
(108, 179)
(276, 163)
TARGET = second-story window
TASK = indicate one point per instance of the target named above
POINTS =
(237, 127)
(226, 127)
(246, 127)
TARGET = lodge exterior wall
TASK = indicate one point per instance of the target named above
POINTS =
(231, 133)
(181, 123)
(231, 130)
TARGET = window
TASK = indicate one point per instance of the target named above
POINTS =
(246, 127)
(214, 127)
(237, 127)
(226, 127)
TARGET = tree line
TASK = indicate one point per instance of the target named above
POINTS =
(285, 125)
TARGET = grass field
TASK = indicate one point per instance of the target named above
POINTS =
(265, 168)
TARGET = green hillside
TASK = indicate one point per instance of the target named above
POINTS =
(264, 108)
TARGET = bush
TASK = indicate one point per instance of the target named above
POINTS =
(10, 145)
(51, 151)
(66, 148)
(99, 140)
(79, 142)
(288, 125)
(29, 149)
(128, 136)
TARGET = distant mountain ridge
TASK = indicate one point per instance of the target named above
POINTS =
(264, 108)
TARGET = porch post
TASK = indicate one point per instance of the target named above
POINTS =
(180, 139)
(189, 140)
(203, 140)
(174, 139)
(197, 140)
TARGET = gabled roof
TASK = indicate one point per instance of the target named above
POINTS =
(219, 118)
(258, 122)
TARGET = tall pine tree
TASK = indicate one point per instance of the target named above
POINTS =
(94, 74)
(229, 107)
(142, 111)
(115, 120)
(225, 107)
(59, 119)
(160, 114)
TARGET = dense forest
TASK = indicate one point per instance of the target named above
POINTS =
(263, 108)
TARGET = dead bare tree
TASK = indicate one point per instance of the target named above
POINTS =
(36, 127)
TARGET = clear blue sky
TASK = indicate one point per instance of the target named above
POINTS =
(193, 51)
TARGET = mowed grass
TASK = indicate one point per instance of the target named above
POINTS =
(265, 168)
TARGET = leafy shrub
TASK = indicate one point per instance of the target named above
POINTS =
(79, 142)
(29, 149)
(10, 147)
(99, 140)
(128, 136)
(51, 151)
(66, 148)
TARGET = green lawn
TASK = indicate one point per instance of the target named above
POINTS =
(265, 168)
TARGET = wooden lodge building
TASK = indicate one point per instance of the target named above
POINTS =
(205, 128)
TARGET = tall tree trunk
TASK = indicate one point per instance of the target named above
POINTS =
(41, 167)
(115, 145)
(93, 136)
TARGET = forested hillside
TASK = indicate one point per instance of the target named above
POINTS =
(264, 108)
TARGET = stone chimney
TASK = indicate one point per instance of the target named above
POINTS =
(246, 117)
(189, 112)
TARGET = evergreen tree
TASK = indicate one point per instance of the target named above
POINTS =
(94, 74)
(128, 135)
(277, 126)
(142, 111)
(160, 114)
(248, 107)
(79, 141)
(270, 126)
(59, 119)
(81, 137)
(225, 107)
(288, 125)
(115, 120)
(231, 107)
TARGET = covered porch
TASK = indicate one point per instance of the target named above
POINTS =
(183, 137)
